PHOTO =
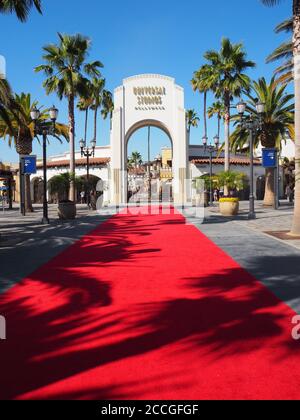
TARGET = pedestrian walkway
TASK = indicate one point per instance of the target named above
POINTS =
(26, 244)
(146, 307)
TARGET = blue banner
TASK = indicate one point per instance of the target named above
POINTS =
(270, 158)
(29, 165)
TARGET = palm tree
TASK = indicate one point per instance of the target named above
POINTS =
(19, 130)
(203, 81)
(20, 8)
(6, 100)
(192, 120)
(217, 108)
(284, 52)
(278, 121)
(97, 88)
(65, 70)
(229, 81)
(107, 105)
(84, 104)
(135, 159)
(296, 52)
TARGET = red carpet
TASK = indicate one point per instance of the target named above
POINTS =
(146, 307)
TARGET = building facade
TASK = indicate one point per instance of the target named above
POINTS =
(141, 101)
(100, 168)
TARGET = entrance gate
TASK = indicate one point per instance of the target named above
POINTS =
(149, 100)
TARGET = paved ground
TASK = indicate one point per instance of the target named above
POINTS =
(136, 307)
(275, 263)
(99, 318)
(26, 244)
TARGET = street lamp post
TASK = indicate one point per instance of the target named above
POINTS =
(88, 153)
(211, 149)
(252, 125)
(44, 128)
(149, 166)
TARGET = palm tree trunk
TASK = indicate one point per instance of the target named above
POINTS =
(227, 131)
(86, 125)
(219, 125)
(28, 201)
(296, 221)
(71, 105)
(205, 114)
(269, 199)
(95, 123)
(24, 147)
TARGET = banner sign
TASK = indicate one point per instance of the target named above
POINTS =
(29, 165)
(270, 158)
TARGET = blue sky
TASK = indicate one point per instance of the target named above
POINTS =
(132, 37)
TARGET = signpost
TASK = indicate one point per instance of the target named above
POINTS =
(27, 168)
(271, 161)
(270, 158)
(29, 165)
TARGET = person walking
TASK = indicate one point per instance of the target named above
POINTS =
(93, 200)
(82, 197)
(216, 195)
(292, 197)
(289, 193)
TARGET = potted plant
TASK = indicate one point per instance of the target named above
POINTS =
(59, 185)
(229, 206)
(232, 182)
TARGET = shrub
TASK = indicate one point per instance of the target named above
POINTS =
(233, 181)
(60, 185)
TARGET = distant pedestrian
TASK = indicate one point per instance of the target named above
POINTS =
(93, 201)
(289, 193)
(293, 194)
(82, 197)
(216, 195)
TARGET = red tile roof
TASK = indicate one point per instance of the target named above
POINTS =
(221, 161)
(79, 162)
(137, 171)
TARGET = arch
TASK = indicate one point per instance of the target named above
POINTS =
(37, 190)
(147, 123)
(153, 178)
(149, 100)
(88, 187)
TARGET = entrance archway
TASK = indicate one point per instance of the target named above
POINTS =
(88, 187)
(149, 151)
(37, 190)
(149, 100)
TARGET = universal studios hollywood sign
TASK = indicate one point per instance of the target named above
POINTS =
(150, 98)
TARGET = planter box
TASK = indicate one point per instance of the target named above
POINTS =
(229, 208)
(67, 211)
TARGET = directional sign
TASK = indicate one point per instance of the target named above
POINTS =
(29, 165)
(270, 158)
